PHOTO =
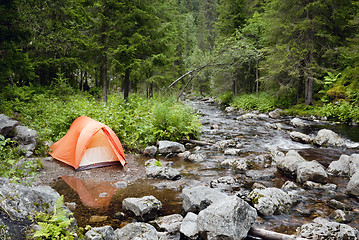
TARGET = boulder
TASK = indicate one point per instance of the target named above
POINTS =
(340, 216)
(238, 165)
(137, 231)
(311, 171)
(297, 122)
(223, 144)
(189, 227)
(197, 198)
(270, 201)
(224, 182)
(232, 151)
(7, 125)
(275, 114)
(26, 138)
(354, 164)
(170, 223)
(339, 205)
(168, 147)
(328, 186)
(229, 219)
(150, 151)
(247, 116)
(184, 155)
(289, 185)
(156, 169)
(101, 233)
(196, 157)
(289, 163)
(265, 174)
(229, 109)
(145, 208)
(327, 230)
(353, 185)
(340, 167)
(300, 137)
(328, 138)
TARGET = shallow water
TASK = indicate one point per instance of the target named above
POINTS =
(255, 137)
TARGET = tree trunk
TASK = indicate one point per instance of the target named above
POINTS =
(309, 91)
(126, 84)
(104, 76)
(269, 235)
(257, 78)
(150, 90)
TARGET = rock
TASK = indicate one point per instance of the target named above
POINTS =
(329, 230)
(97, 219)
(270, 201)
(229, 219)
(137, 231)
(26, 139)
(354, 164)
(150, 151)
(311, 171)
(340, 167)
(275, 114)
(71, 206)
(238, 165)
(300, 137)
(229, 109)
(155, 169)
(328, 138)
(215, 126)
(289, 185)
(145, 208)
(340, 216)
(353, 185)
(120, 216)
(289, 164)
(339, 205)
(328, 186)
(167, 147)
(7, 125)
(170, 223)
(258, 185)
(223, 182)
(265, 174)
(232, 151)
(99, 233)
(184, 155)
(197, 198)
(297, 122)
(196, 157)
(223, 144)
(189, 226)
(247, 116)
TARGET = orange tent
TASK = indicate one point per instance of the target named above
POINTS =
(88, 144)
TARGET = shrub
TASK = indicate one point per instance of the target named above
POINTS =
(263, 103)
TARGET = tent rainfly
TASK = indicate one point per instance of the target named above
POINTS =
(88, 144)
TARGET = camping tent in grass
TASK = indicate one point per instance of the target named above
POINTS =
(88, 144)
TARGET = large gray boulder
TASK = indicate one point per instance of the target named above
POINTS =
(353, 185)
(7, 125)
(311, 171)
(157, 169)
(328, 138)
(354, 164)
(300, 137)
(340, 167)
(150, 151)
(137, 231)
(168, 147)
(198, 198)
(169, 223)
(239, 165)
(289, 163)
(297, 122)
(189, 227)
(26, 138)
(229, 219)
(270, 201)
(145, 208)
(196, 157)
(327, 230)
(101, 233)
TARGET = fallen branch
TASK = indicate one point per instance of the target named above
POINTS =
(270, 235)
(196, 142)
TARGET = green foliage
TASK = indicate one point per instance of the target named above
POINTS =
(263, 103)
(56, 225)
(343, 111)
(226, 98)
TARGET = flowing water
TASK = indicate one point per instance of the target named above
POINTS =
(255, 136)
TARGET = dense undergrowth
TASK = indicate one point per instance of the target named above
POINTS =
(137, 122)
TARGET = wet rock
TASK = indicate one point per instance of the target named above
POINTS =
(196, 157)
(189, 227)
(229, 219)
(215, 127)
(339, 205)
(223, 144)
(311, 171)
(340, 167)
(340, 216)
(26, 138)
(232, 151)
(155, 169)
(354, 164)
(120, 216)
(353, 185)
(7, 125)
(98, 219)
(300, 137)
(99, 233)
(184, 155)
(247, 116)
(223, 182)
(289, 164)
(265, 174)
(71, 206)
(137, 231)
(327, 230)
(238, 165)
(229, 109)
(297, 122)
(275, 114)
(145, 208)
(258, 186)
(289, 185)
(167, 147)
(197, 198)
(270, 201)
(278, 126)
(328, 138)
(150, 151)
(170, 223)
(328, 186)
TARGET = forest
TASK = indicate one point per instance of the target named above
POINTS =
(115, 61)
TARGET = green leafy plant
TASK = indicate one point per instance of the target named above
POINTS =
(263, 103)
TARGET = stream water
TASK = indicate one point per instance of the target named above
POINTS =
(255, 136)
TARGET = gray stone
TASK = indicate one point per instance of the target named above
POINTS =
(196, 157)
(223, 144)
(150, 151)
(247, 116)
(339, 205)
(156, 169)
(7, 125)
(297, 122)
(168, 147)
(101, 233)
(26, 139)
(311, 171)
(265, 174)
(328, 138)
(184, 155)
(189, 226)
(270, 201)
(238, 165)
(229, 109)
(329, 230)
(289, 185)
(170, 223)
(300, 137)
(137, 231)
(229, 219)
(289, 163)
(328, 186)
(340, 216)
(145, 208)
(353, 185)
(232, 151)
(340, 167)
(224, 182)
(275, 114)
(198, 198)
(354, 164)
